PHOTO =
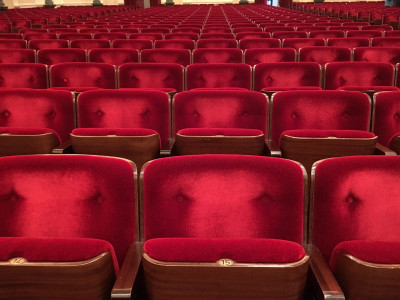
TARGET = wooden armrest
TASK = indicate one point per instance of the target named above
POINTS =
(273, 148)
(127, 284)
(382, 150)
(324, 284)
(64, 148)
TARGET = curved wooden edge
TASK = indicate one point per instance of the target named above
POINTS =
(128, 283)
(64, 148)
(382, 150)
(20, 144)
(396, 144)
(322, 280)
(273, 148)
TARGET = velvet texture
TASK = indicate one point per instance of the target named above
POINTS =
(326, 34)
(217, 43)
(39, 35)
(377, 54)
(55, 56)
(385, 41)
(150, 75)
(351, 42)
(76, 74)
(289, 34)
(218, 75)
(377, 252)
(339, 74)
(252, 35)
(26, 75)
(133, 44)
(126, 109)
(17, 56)
(355, 198)
(220, 196)
(387, 116)
(211, 250)
(298, 43)
(113, 56)
(12, 44)
(220, 109)
(146, 36)
(364, 33)
(181, 36)
(89, 44)
(110, 35)
(68, 196)
(259, 43)
(324, 110)
(286, 74)
(226, 35)
(177, 56)
(27, 131)
(47, 44)
(31, 108)
(267, 55)
(220, 131)
(217, 55)
(54, 249)
(323, 55)
(175, 44)
(113, 131)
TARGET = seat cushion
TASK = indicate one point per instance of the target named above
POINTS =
(220, 131)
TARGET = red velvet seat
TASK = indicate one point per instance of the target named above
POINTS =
(195, 189)
(48, 44)
(264, 55)
(298, 43)
(17, 56)
(349, 42)
(259, 43)
(217, 55)
(386, 41)
(78, 76)
(377, 54)
(26, 75)
(34, 121)
(39, 36)
(164, 76)
(325, 34)
(89, 44)
(364, 33)
(225, 35)
(289, 34)
(147, 36)
(177, 56)
(323, 55)
(110, 35)
(252, 35)
(12, 44)
(218, 75)
(114, 56)
(133, 44)
(55, 56)
(175, 44)
(181, 35)
(354, 223)
(75, 36)
(219, 121)
(61, 191)
(217, 43)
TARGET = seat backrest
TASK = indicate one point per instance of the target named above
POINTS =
(351, 42)
(217, 43)
(259, 43)
(126, 109)
(332, 110)
(47, 44)
(262, 55)
(298, 43)
(289, 34)
(132, 44)
(260, 192)
(354, 198)
(12, 44)
(286, 74)
(217, 55)
(218, 75)
(220, 109)
(26, 75)
(339, 74)
(177, 56)
(90, 43)
(175, 44)
(54, 56)
(323, 55)
(151, 75)
(327, 34)
(17, 56)
(385, 41)
(147, 36)
(386, 116)
(377, 54)
(83, 74)
(114, 56)
(69, 196)
(364, 33)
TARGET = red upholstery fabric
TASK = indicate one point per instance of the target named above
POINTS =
(226, 35)
(150, 75)
(77, 74)
(355, 198)
(217, 55)
(286, 74)
(220, 109)
(324, 110)
(377, 54)
(364, 33)
(217, 43)
(291, 88)
(181, 36)
(211, 250)
(177, 56)
(110, 35)
(323, 55)
(391, 141)
(220, 196)
(26, 75)
(17, 56)
(218, 75)
(48, 44)
(298, 43)
(259, 43)
(339, 74)
(265, 55)
(368, 88)
(252, 35)
(125, 109)
(387, 116)
(12, 44)
(350, 42)
(175, 44)
(31, 108)
(54, 249)
(55, 56)
(146, 36)
(27, 131)
(114, 56)
(133, 44)
(89, 44)
(220, 131)
(68, 196)
(385, 41)
(371, 251)
(327, 34)
(289, 34)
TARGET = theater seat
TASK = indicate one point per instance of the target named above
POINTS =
(55, 56)
(23, 75)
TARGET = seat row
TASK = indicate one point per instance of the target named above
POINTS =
(180, 239)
